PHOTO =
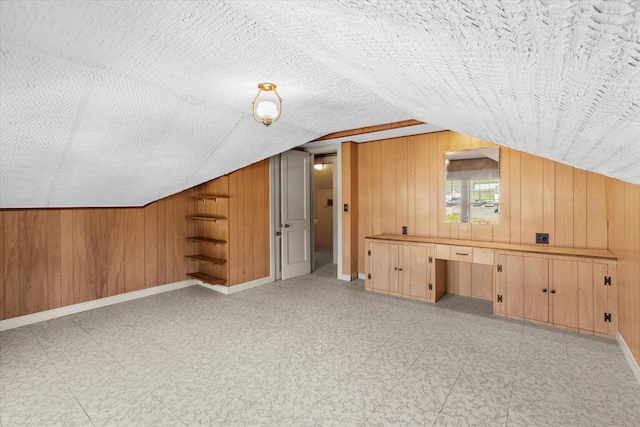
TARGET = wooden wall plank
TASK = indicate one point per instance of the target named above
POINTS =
(515, 197)
(531, 198)
(102, 254)
(387, 189)
(362, 176)
(482, 281)
(85, 273)
(161, 242)
(260, 176)
(32, 241)
(1, 267)
(11, 263)
(635, 275)
(435, 204)
(232, 246)
(563, 235)
(377, 198)
(412, 193)
(548, 199)
(53, 259)
(151, 244)
(116, 232)
(421, 193)
(596, 211)
(247, 224)
(401, 175)
(180, 264)
(134, 266)
(579, 208)
(66, 256)
(169, 240)
(502, 232)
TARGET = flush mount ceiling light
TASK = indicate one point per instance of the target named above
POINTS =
(269, 108)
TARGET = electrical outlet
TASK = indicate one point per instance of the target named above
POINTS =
(404, 229)
(542, 238)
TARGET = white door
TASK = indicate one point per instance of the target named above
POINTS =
(296, 213)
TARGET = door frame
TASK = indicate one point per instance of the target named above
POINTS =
(337, 187)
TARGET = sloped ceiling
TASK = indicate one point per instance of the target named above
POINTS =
(120, 103)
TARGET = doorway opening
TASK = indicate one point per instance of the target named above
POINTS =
(325, 214)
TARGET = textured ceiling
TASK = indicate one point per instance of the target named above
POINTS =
(121, 103)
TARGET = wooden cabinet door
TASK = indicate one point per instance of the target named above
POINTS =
(414, 272)
(586, 294)
(509, 285)
(513, 272)
(563, 291)
(605, 299)
(536, 288)
(383, 267)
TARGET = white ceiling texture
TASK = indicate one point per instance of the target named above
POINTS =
(120, 103)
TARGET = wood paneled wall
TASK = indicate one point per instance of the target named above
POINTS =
(249, 249)
(624, 241)
(51, 258)
(401, 182)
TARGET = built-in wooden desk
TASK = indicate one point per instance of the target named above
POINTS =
(564, 287)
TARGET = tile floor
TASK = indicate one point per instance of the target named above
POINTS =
(308, 351)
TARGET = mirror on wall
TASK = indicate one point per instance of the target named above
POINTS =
(472, 186)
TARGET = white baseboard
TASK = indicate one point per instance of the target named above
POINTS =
(55, 313)
(228, 290)
(361, 276)
(30, 319)
(629, 356)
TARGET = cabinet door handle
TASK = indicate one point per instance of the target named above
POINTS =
(553, 291)
(544, 290)
(400, 269)
(395, 268)
(460, 253)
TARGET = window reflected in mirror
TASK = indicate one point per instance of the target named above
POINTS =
(472, 186)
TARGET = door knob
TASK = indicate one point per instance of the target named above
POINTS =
(286, 226)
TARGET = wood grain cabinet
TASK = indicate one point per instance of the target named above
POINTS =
(400, 269)
(568, 292)
(569, 288)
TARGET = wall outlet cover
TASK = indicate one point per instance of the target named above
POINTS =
(542, 238)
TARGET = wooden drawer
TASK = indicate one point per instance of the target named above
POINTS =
(443, 252)
(483, 256)
(461, 253)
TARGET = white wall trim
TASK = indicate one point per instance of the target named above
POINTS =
(30, 319)
(228, 290)
(335, 147)
(635, 368)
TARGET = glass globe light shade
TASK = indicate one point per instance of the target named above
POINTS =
(267, 110)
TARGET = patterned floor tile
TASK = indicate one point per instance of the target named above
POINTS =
(309, 351)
